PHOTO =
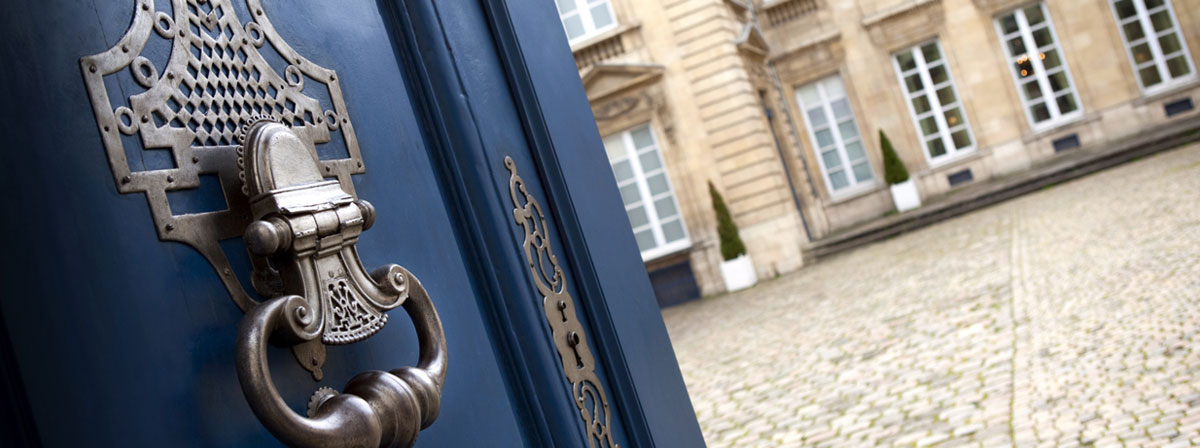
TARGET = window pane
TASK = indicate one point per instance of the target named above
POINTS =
(650, 161)
(1032, 90)
(914, 83)
(1125, 8)
(637, 217)
(936, 147)
(938, 75)
(665, 208)
(1050, 59)
(816, 117)
(1058, 82)
(929, 126)
(906, 61)
(600, 16)
(642, 138)
(831, 159)
(1141, 53)
(672, 231)
(1024, 67)
(931, 53)
(841, 109)
(1133, 31)
(565, 6)
(848, 130)
(630, 194)
(1040, 112)
(1008, 24)
(1033, 15)
(838, 180)
(1016, 46)
(1151, 4)
(657, 184)
(622, 170)
(921, 104)
(833, 87)
(574, 26)
(824, 138)
(645, 240)
(1042, 38)
(954, 117)
(1178, 66)
(854, 151)
(614, 146)
(1161, 20)
(1066, 104)
(1169, 43)
(862, 171)
(962, 139)
(809, 95)
(946, 95)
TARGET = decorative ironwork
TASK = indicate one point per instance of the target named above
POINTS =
(215, 82)
(220, 105)
(579, 366)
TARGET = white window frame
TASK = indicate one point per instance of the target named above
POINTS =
(640, 177)
(939, 110)
(854, 186)
(1151, 37)
(1024, 31)
(583, 8)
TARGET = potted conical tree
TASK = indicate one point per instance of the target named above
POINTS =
(904, 190)
(737, 269)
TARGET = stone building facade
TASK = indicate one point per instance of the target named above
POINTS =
(779, 103)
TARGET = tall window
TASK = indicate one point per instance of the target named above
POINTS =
(1156, 48)
(933, 101)
(649, 199)
(585, 18)
(1038, 66)
(834, 134)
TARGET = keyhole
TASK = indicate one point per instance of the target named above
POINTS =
(562, 309)
(573, 341)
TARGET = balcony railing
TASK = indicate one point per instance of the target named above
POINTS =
(782, 12)
(600, 51)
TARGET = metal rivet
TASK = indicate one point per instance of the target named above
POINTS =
(145, 118)
(333, 77)
(259, 12)
(170, 178)
(126, 179)
(328, 169)
(195, 159)
(170, 227)
(170, 76)
(92, 68)
(228, 272)
(145, 7)
(106, 129)
(360, 164)
(398, 278)
(125, 48)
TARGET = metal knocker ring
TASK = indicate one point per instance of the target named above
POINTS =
(303, 239)
(376, 408)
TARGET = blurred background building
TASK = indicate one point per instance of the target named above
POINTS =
(779, 104)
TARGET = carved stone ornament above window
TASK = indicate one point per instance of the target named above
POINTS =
(605, 80)
(904, 24)
(992, 7)
(814, 58)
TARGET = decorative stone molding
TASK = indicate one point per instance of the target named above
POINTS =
(607, 46)
(627, 95)
(778, 13)
(904, 24)
(605, 80)
(992, 7)
(819, 55)
(751, 42)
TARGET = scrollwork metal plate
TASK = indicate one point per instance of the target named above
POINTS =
(579, 366)
(215, 82)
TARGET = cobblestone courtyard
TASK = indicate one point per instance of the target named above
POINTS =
(1067, 317)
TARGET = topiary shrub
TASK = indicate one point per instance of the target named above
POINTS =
(731, 243)
(893, 168)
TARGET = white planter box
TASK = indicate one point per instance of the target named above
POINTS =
(738, 273)
(905, 196)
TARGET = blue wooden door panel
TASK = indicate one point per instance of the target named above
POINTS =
(121, 339)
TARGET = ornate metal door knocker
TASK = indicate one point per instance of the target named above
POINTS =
(221, 108)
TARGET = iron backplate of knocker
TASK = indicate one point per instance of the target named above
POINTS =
(219, 107)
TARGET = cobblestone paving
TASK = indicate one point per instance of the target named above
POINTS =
(1067, 317)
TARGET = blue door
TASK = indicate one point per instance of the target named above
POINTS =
(315, 223)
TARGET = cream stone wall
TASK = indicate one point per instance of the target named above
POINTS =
(701, 72)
